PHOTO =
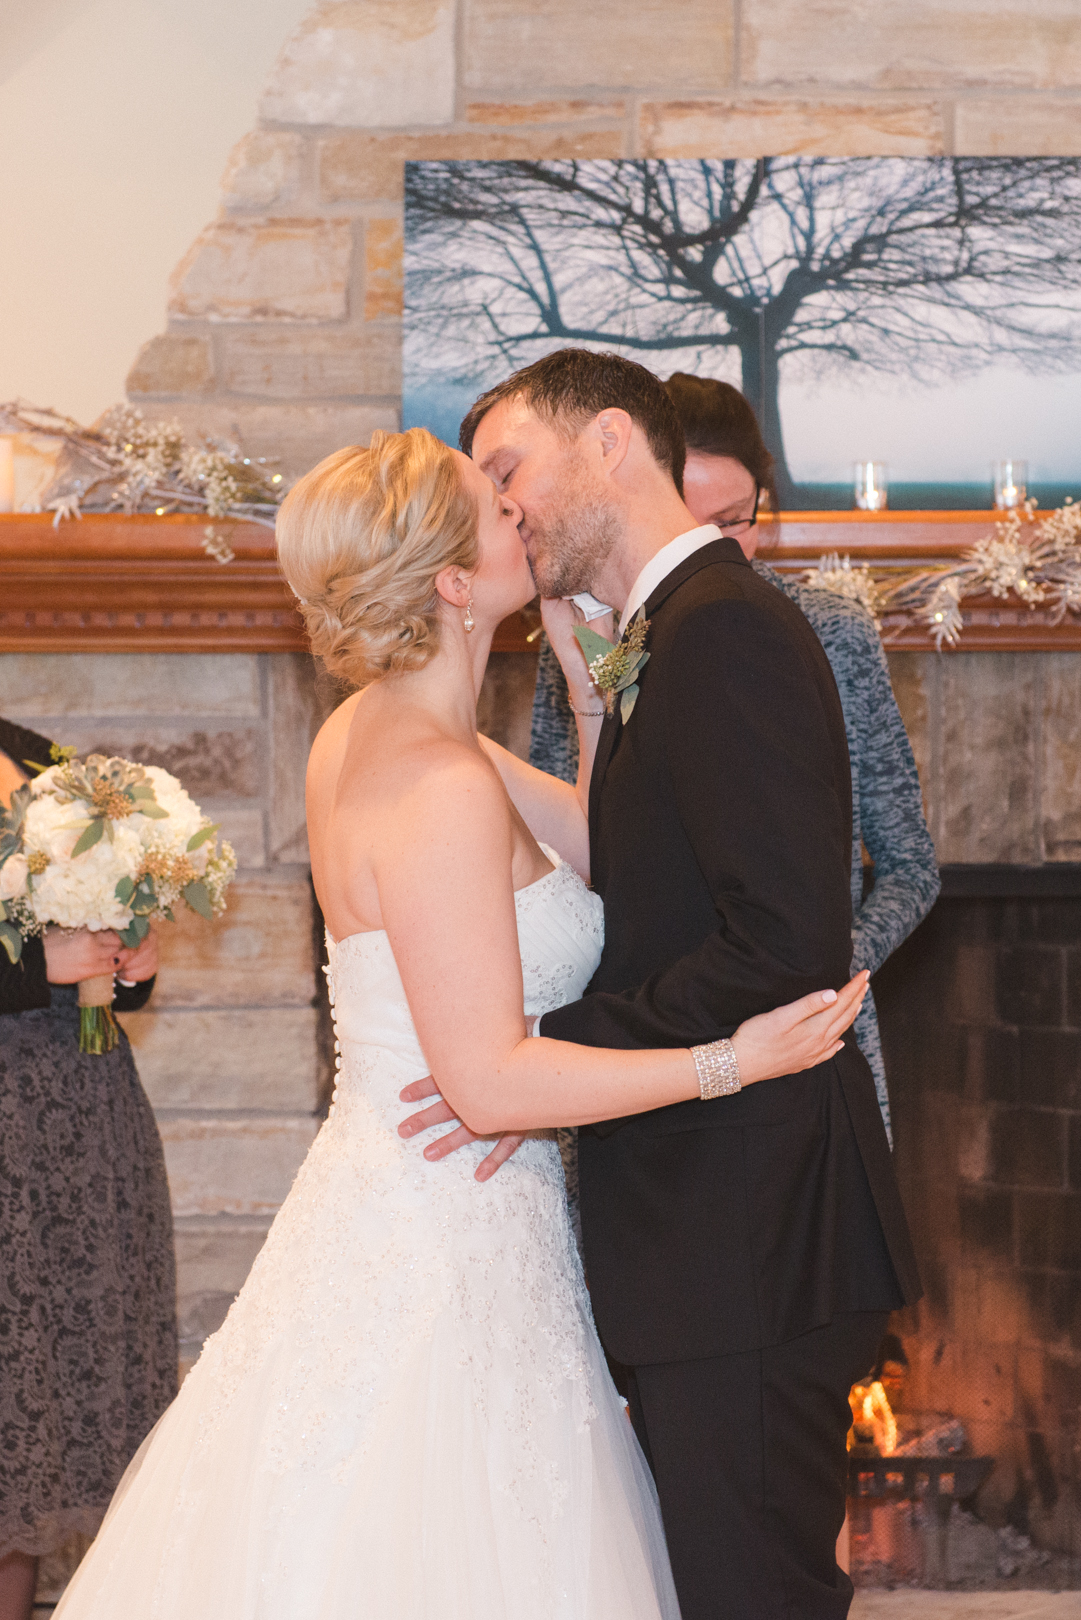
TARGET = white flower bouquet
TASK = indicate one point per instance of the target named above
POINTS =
(104, 843)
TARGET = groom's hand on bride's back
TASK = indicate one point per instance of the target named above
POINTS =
(441, 1113)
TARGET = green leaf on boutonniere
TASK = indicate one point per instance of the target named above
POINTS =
(615, 667)
(12, 941)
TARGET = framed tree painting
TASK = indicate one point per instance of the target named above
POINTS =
(922, 312)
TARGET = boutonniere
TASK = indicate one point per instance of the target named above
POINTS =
(614, 666)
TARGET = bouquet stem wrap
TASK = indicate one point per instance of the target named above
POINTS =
(98, 1031)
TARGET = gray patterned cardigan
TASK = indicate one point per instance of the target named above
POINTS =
(887, 807)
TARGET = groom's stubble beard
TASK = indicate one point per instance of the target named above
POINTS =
(571, 543)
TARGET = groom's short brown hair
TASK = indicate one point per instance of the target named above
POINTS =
(572, 386)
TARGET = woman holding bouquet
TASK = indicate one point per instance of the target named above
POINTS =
(87, 1278)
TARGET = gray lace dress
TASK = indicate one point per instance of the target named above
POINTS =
(88, 1352)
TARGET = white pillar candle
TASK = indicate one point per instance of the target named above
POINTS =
(7, 473)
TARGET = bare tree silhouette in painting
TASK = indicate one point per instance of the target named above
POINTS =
(929, 268)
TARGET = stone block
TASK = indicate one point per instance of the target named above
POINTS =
(263, 169)
(48, 686)
(1001, 127)
(912, 676)
(371, 168)
(505, 709)
(895, 44)
(1050, 1230)
(729, 128)
(1028, 1148)
(295, 436)
(171, 364)
(213, 1258)
(262, 1058)
(299, 704)
(1060, 778)
(259, 954)
(299, 363)
(277, 269)
(559, 42)
(209, 762)
(1030, 983)
(545, 112)
(989, 810)
(382, 268)
(366, 62)
(239, 1166)
(243, 826)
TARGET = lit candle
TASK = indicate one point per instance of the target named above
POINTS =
(7, 473)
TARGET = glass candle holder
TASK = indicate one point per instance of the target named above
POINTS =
(1011, 484)
(872, 485)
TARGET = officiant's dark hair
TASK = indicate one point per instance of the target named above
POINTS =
(572, 386)
(718, 420)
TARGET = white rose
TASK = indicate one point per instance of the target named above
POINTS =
(13, 875)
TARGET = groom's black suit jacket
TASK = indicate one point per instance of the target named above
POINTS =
(720, 832)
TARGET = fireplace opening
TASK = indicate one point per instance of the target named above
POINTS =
(965, 1451)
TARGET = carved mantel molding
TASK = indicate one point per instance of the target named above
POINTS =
(110, 583)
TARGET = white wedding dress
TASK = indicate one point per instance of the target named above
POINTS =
(407, 1414)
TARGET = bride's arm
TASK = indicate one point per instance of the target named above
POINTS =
(448, 908)
(554, 812)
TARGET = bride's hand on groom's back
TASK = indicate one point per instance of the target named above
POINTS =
(800, 1035)
(441, 1113)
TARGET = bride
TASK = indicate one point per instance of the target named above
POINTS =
(407, 1413)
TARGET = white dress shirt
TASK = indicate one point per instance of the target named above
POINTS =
(663, 563)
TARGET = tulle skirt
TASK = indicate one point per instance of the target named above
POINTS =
(332, 1455)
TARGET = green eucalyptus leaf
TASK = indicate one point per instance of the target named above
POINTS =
(153, 812)
(195, 893)
(129, 936)
(592, 644)
(90, 836)
(627, 702)
(12, 941)
(202, 835)
(124, 890)
(140, 790)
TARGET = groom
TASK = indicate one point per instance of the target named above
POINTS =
(743, 1253)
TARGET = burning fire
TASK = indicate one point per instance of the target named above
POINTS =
(872, 1418)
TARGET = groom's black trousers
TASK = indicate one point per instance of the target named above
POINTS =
(748, 1452)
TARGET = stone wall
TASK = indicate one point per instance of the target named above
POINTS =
(230, 1048)
(283, 319)
(997, 739)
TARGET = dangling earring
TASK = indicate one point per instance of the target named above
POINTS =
(469, 620)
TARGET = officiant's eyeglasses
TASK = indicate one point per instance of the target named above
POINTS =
(740, 526)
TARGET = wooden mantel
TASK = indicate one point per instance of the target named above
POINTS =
(109, 583)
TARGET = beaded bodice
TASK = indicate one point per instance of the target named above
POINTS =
(560, 935)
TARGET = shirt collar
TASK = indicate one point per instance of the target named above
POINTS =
(662, 563)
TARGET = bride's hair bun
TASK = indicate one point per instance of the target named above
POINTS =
(360, 540)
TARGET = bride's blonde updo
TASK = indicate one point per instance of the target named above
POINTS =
(360, 541)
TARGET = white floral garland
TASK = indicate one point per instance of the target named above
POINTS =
(1037, 559)
(133, 465)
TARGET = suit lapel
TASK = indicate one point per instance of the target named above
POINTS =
(722, 550)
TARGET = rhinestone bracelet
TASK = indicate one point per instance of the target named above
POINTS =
(718, 1070)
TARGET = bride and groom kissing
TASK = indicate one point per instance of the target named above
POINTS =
(407, 1412)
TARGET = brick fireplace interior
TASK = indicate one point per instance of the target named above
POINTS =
(981, 1023)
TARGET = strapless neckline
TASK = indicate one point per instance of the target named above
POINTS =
(527, 888)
